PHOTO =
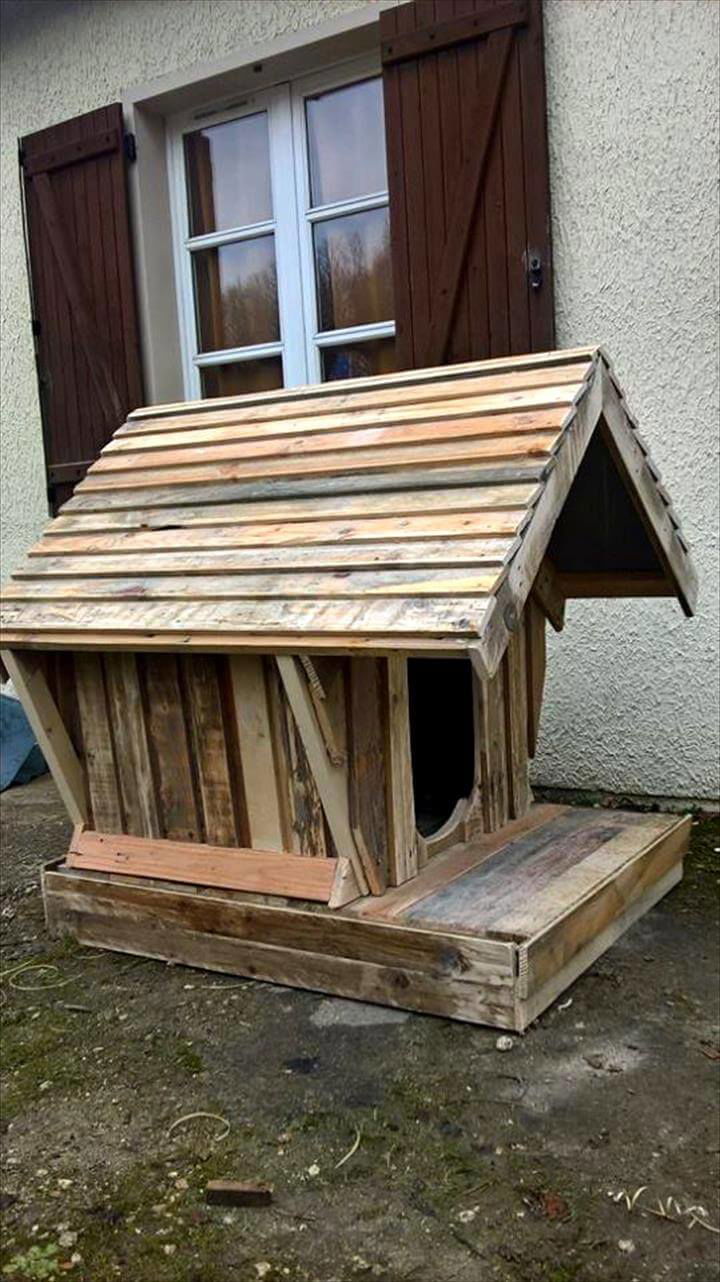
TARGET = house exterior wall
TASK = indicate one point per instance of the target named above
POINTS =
(632, 700)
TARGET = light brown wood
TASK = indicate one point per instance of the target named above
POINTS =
(547, 591)
(54, 741)
(252, 717)
(331, 780)
(129, 731)
(403, 853)
(263, 871)
(100, 765)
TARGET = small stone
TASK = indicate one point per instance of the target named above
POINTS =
(314, 1169)
(466, 1217)
(64, 1184)
(504, 1044)
(262, 1268)
(626, 1245)
(169, 1248)
(67, 1238)
(182, 1184)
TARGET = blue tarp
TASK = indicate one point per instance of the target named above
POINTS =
(20, 758)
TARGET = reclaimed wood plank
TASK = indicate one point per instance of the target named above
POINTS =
(169, 744)
(41, 711)
(210, 749)
(265, 871)
(403, 852)
(535, 657)
(257, 760)
(516, 723)
(98, 741)
(367, 758)
(132, 755)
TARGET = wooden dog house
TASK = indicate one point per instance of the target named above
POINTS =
(285, 657)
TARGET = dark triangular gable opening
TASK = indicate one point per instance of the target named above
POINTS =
(599, 530)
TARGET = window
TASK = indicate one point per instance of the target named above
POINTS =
(281, 232)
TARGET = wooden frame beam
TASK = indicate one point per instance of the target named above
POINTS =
(41, 711)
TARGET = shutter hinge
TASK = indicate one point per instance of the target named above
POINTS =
(130, 147)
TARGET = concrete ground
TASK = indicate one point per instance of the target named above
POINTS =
(398, 1146)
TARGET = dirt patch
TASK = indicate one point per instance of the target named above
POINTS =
(470, 1163)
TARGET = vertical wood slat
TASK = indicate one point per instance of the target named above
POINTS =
(535, 664)
(210, 748)
(127, 716)
(368, 766)
(100, 764)
(492, 750)
(255, 742)
(402, 833)
(516, 724)
(170, 750)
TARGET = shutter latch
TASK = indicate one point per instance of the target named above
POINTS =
(535, 271)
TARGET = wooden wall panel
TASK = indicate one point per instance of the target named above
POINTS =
(98, 743)
(217, 768)
(132, 753)
(170, 748)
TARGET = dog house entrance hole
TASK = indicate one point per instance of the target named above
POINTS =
(442, 738)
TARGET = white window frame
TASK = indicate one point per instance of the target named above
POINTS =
(301, 340)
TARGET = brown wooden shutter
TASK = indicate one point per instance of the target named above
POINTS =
(82, 288)
(468, 177)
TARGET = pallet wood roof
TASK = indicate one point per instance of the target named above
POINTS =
(406, 513)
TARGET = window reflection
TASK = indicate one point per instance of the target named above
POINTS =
(346, 142)
(228, 175)
(353, 270)
(236, 294)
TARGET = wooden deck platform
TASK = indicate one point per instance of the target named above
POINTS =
(490, 932)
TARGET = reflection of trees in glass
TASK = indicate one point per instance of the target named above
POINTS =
(250, 310)
(352, 263)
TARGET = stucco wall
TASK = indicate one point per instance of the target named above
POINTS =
(632, 702)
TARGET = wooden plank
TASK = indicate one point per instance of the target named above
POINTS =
(487, 894)
(413, 554)
(222, 825)
(436, 475)
(528, 1010)
(295, 533)
(403, 855)
(492, 750)
(247, 673)
(549, 595)
(516, 724)
(368, 779)
(326, 507)
(526, 563)
(464, 958)
(330, 780)
(41, 711)
(404, 377)
(512, 413)
(99, 745)
(402, 615)
(535, 662)
(127, 718)
(473, 385)
(457, 451)
(551, 951)
(484, 19)
(452, 863)
(261, 871)
(169, 742)
(228, 643)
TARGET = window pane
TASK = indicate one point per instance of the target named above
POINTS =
(352, 266)
(241, 377)
(346, 142)
(228, 175)
(236, 294)
(356, 360)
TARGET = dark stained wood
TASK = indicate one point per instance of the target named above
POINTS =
(491, 15)
(368, 698)
(82, 287)
(170, 750)
(467, 216)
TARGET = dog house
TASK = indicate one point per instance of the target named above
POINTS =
(285, 656)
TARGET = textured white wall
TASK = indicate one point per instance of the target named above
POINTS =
(632, 702)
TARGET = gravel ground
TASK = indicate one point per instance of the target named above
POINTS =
(398, 1146)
